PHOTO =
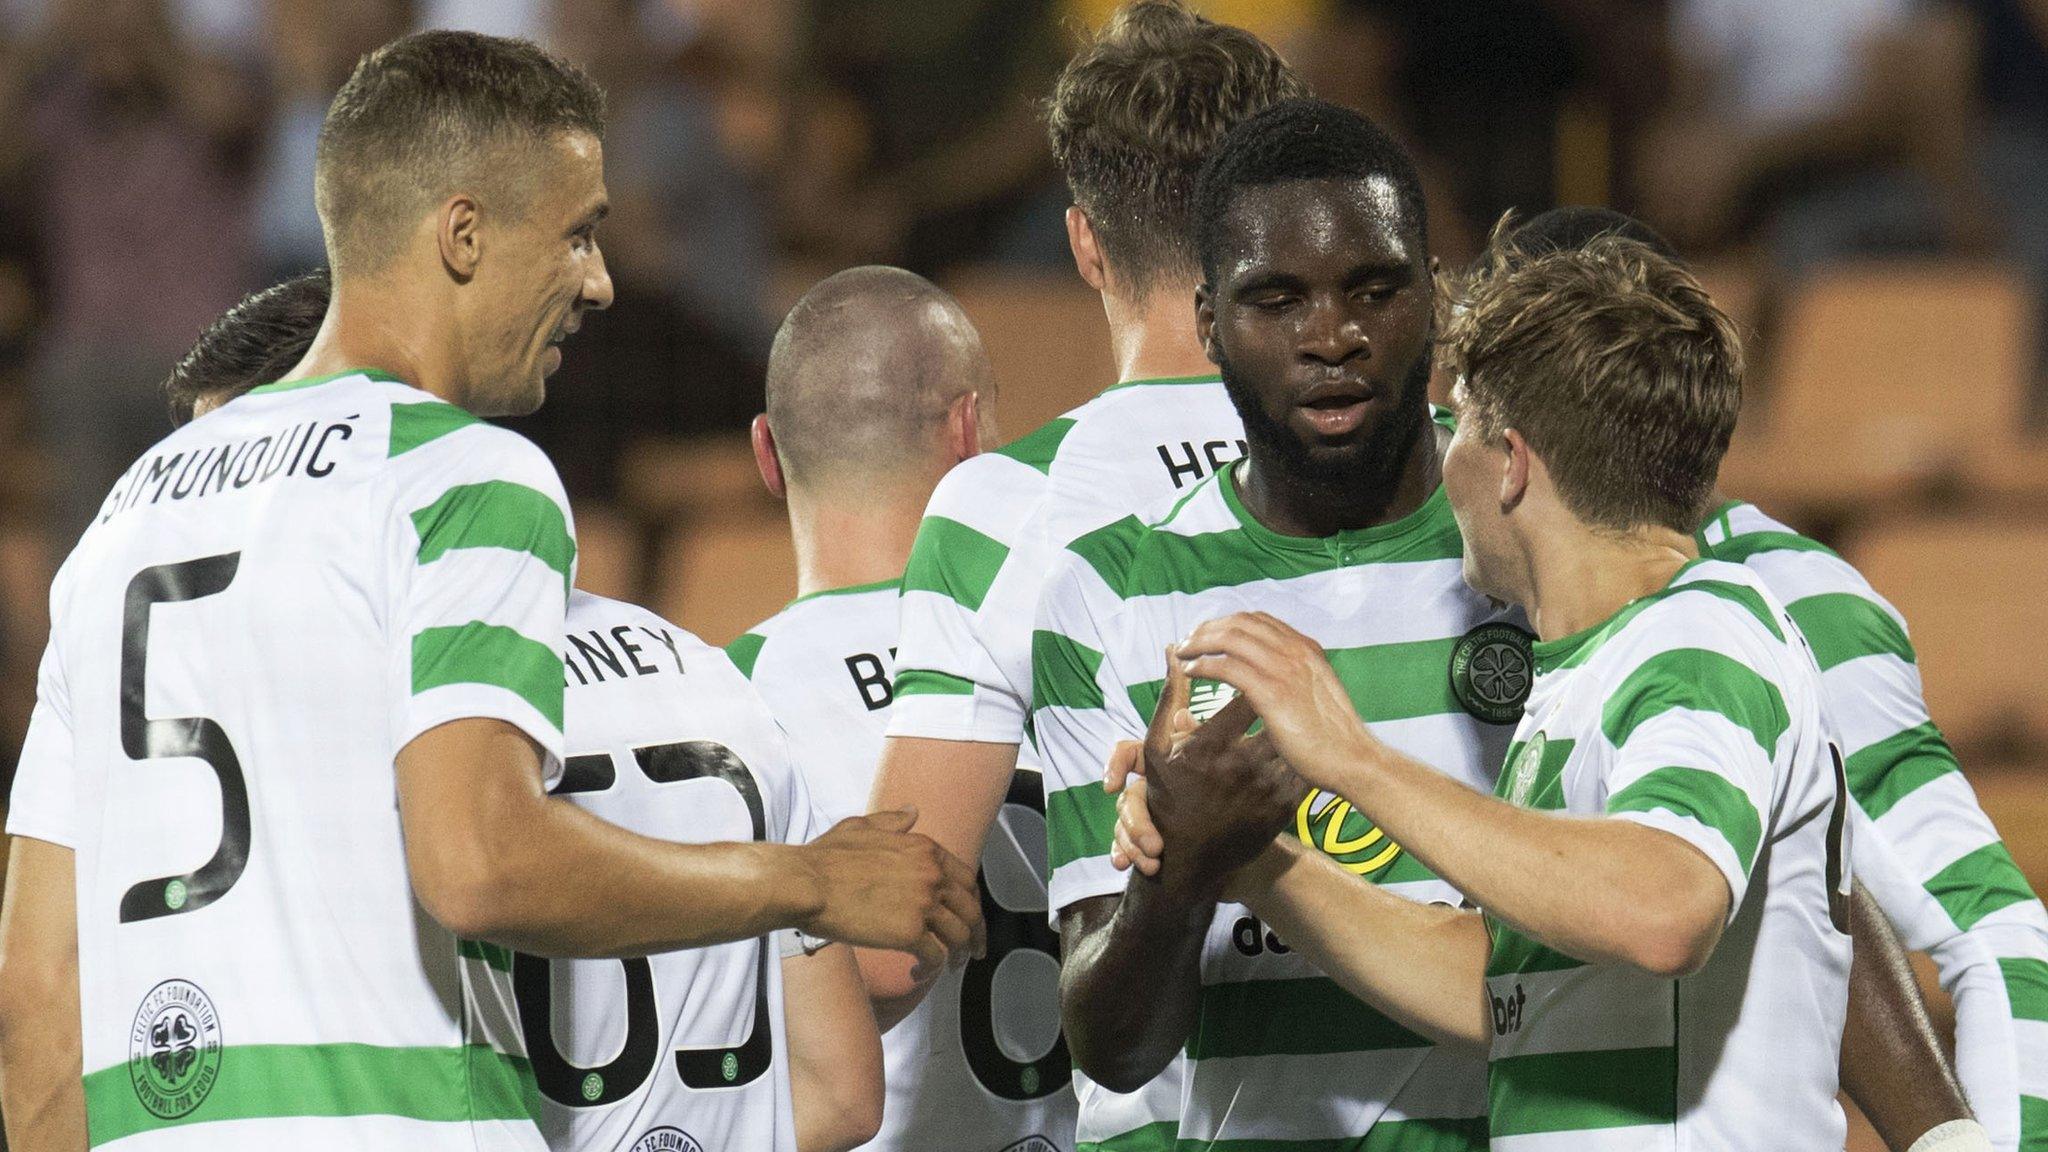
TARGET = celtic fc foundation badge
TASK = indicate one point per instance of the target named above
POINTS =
(1492, 669)
(667, 1139)
(174, 1049)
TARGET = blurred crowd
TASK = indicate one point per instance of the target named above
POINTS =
(156, 162)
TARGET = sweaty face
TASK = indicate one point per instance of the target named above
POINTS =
(1320, 324)
(1472, 484)
(541, 271)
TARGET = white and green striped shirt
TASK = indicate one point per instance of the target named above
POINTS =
(273, 601)
(989, 536)
(1695, 711)
(979, 1065)
(1281, 1057)
(1928, 854)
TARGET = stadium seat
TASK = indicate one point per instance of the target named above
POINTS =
(607, 552)
(720, 577)
(1887, 380)
(1964, 586)
(1047, 338)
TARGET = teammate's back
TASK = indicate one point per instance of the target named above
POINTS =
(273, 601)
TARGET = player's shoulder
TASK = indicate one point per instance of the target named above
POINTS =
(865, 613)
(995, 488)
(1712, 613)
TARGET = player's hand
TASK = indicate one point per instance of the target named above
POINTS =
(884, 886)
(1137, 841)
(1287, 679)
(1217, 796)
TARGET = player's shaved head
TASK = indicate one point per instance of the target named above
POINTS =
(862, 374)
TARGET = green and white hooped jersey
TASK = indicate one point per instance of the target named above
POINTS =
(990, 535)
(272, 602)
(980, 1065)
(681, 1051)
(1281, 1057)
(1928, 854)
(1696, 711)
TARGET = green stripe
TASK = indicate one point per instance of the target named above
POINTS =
(2026, 986)
(1386, 682)
(925, 682)
(1038, 448)
(955, 561)
(1063, 672)
(1080, 822)
(1700, 680)
(1580, 1091)
(495, 956)
(1437, 1135)
(1516, 954)
(1709, 798)
(744, 651)
(480, 653)
(1978, 885)
(1842, 626)
(273, 1081)
(2033, 1124)
(310, 381)
(1304, 1017)
(1894, 768)
(1155, 1137)
(1738, 549)
(415, 424)
(497, 514)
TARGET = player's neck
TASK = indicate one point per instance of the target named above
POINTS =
(1154, 339)
(1580, 577)
(367, 327)
(1303, 506)
(845, 544)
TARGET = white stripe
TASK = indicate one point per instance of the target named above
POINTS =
(1872, 698)
(1320, 1097)
(1104, 1114)
(1921, 920)
(1204, 513)
(1937, 824)
(990, 493)
(2024, 914)
(1793, 575)
(1449, 1085)
(527, 596)
(1695, 738)
(1634, 1010)
(2032, 1037)
(1082, 879)
(1075, 742)
(339, 1134)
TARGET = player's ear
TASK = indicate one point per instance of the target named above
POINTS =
(1205, 321)
(457, 233)
(1516, 466)
(1087, 251)
(765, 458)
(965, 427)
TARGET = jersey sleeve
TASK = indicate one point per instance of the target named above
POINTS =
(485, 555)
(969, 591)
(1696, 734)
(1080, 710)
(42, 804)
(1929, 855)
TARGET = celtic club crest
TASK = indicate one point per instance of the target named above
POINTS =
(1492, 669)
(1522, 774)
(174, 1049)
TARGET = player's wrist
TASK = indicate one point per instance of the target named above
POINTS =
(795, 886)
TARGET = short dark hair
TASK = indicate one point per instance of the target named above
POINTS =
(1136, 112)
(1615, 365)
(252, 344)
(1299, 140)
(417, 115)
(1574, 226)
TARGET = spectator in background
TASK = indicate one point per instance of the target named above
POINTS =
(684, 347)
(130, 139)
(313, 45)
(917, 141)
(1830, 127)
(2012, 88)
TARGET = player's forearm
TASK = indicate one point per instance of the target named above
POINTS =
(835, 1052)
(1597, 889)
(1131, 980)
(1424, 965)
(1892, 1063)
(41, 1094)
(568, 884)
